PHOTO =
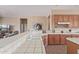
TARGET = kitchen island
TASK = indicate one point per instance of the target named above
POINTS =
(57, 38)
(70, 40)
(72, 45)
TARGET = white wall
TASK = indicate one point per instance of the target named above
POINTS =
(37, 19)
(12, 21)
(31, 20)
(66, 30)
(0, 20)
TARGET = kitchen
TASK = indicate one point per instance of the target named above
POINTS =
(64, 30)
(59, 28)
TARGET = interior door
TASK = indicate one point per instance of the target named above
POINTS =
(23, 25)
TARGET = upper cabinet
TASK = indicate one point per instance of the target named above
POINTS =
(76, 21)
(68, 21)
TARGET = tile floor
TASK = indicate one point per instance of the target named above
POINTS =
(33, 46)
(56, 49)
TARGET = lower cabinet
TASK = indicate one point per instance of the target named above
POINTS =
(63, 38)
(56, 39)
(72, 47)
(53, 39)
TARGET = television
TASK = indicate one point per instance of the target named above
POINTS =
(4, 27)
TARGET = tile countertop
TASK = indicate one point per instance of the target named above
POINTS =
(74, 40)
(60, 33)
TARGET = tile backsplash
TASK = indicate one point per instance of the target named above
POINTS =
(66, 30)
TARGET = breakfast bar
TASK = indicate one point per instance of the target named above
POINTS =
(72, 45)
(69, 40)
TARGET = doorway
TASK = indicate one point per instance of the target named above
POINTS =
(23, 25)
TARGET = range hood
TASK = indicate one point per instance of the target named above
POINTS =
(63, 22)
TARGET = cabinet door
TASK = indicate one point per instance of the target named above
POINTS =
(63, 38)
(61, 18)
(72, 47)
(51, 39)
(71, 19)
(76, 21)
(56, 17)
(57, 39)
(66, 18)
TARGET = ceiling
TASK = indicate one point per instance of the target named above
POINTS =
(31, 10)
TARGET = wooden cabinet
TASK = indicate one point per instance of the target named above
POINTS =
(72, 47)
(63, 38)
(57, 39)
(60, 18)
(65, 18)
(76, 21)
(56, 20)
(73, 19)
(53, 39)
